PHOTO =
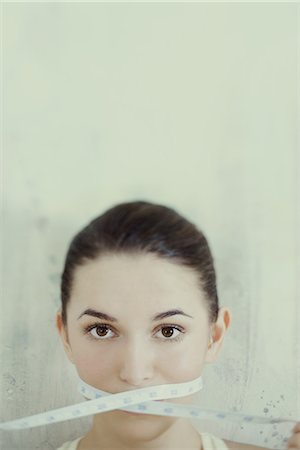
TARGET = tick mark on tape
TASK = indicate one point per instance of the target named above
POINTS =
(102, 406)
(142, 407)
(168, 410)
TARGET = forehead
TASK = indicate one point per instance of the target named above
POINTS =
(142, 282)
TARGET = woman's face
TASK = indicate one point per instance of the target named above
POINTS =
(158, 330)
(136, 321)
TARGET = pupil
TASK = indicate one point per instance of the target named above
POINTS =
(167, 332)
(103, 330)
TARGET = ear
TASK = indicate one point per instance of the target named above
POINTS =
(218, 331)
(63, 332)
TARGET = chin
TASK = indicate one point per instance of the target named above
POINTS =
(138, 427)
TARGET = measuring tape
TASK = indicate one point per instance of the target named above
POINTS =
(143, 401)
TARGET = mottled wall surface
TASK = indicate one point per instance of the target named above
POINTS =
(192, 105)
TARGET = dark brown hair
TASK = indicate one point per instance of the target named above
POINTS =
(141, 226)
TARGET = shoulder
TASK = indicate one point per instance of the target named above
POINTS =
(239, 446)
(70, 445)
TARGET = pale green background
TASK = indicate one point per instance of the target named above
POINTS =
(193, 105)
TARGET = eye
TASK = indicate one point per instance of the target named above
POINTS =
(100, 331)
(171, 332)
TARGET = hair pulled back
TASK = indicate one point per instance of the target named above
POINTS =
(141, 226)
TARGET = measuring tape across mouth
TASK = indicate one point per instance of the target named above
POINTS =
(143, 401)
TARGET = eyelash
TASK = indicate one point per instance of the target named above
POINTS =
(89, 328)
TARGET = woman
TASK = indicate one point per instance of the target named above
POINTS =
(140, 308)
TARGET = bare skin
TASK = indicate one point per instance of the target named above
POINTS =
(130, 349)
(87, 444)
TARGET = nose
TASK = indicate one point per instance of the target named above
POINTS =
(136, 363)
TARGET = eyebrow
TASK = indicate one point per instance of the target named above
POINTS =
(159, 316)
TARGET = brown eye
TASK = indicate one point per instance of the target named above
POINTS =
(170, 333)
(101, 330)
(167, 332)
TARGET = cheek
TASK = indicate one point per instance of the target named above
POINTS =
(179, 362)
(189, 360)
(94, 363)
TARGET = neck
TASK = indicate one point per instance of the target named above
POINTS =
(117, 431)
